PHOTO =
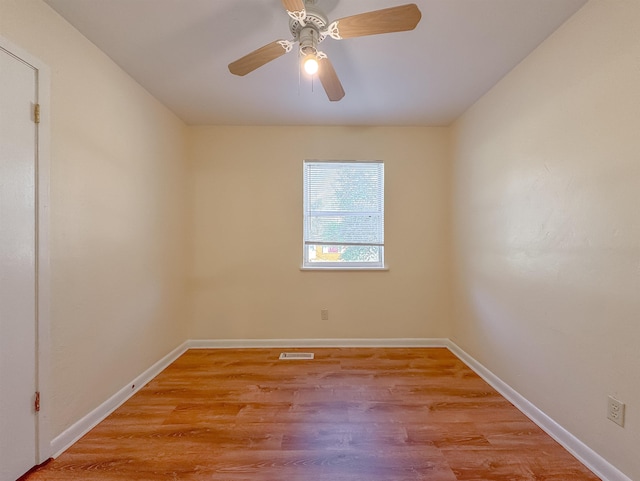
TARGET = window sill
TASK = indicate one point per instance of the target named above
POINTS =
(351, 269)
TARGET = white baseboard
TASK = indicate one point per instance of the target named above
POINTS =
(81, 427)
(596, 463)
(302, 343)
(587, 456)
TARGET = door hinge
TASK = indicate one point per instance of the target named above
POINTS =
(36, 113)
(37, 402)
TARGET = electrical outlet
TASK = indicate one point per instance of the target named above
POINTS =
(615, 411)
(324, 314)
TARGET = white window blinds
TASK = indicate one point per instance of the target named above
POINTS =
(344, 206)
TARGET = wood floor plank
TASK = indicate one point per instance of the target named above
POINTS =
(350, 414)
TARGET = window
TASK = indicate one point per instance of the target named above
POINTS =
(343, 214)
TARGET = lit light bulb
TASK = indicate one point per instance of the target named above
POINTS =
(310, 63)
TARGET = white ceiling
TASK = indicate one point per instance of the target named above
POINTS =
(179, 51)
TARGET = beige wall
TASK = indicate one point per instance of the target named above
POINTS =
(547, 228)
(117, 228)
(246, 194)
(546, 184)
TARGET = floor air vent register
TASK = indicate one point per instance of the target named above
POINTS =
(295, 356)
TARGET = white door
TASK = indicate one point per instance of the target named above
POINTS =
(18, 327)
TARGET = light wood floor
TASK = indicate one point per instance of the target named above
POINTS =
(350, 414)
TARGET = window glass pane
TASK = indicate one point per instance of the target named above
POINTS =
(344, 213)
(344, 254)
(350, 229)
(347, 187)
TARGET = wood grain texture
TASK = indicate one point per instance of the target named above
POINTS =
(257, 58)
(350, 414)
(388, 20)
(330, 81)
(293, 5)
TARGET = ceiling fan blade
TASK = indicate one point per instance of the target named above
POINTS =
(259, 57)
(329, 79)
(293, 5)
(394, 19)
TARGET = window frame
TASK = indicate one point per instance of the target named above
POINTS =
(340, 265)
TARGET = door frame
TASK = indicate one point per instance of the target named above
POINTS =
(43, 248)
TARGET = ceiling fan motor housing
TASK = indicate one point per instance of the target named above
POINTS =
(308, 39)
(314, 20)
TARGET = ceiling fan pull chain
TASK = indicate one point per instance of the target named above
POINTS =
(299, 64)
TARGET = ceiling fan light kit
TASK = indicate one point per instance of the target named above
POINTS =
(309, 27)
(310, 64)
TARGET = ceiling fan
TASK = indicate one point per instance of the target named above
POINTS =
(309, 26)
